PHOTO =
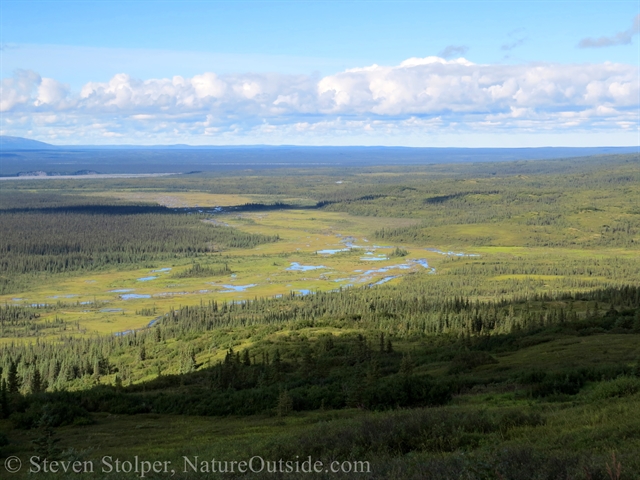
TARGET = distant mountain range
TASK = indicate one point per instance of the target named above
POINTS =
(18, 143)
(25, 156)
(9, 143)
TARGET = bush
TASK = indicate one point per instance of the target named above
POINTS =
(466, 361)
(400, 432)
(4, 441)
(398, 252)
(517, 418)
(620, 387)
(59, 414)
(561, 383)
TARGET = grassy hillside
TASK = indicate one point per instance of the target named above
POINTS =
(557, 400)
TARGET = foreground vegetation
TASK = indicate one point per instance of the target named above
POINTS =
(553, 400)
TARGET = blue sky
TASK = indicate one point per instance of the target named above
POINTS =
(509, 73)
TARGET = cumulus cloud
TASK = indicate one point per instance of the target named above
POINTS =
(620, 38)
(18, 89)
(430, 94)
(439, 87)
(249, 94)
(51, 92)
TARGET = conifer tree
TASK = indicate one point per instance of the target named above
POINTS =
(46, 444)
(406, 366)
(276, 358)
(285, 404)
(4, 399)
(36, 382)
(13, 381)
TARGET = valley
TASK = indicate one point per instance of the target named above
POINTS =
(473, 317)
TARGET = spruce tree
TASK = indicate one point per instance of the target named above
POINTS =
(36, 382)
(13, 381)
(285, 404)
(46, 444)
(277, 359)
(5, 408)
(406, 366)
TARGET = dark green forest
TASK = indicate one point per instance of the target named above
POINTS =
(53, 233)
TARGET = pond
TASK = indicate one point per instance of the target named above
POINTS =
(386, 279)
(452, 254)
(236, 288)
(131, 296)
(330, 251)
(295, 266)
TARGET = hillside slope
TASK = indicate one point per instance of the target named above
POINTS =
(18, 143)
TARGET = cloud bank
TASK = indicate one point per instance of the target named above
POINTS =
(429, 95)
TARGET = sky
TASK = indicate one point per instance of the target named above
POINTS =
(416, 73)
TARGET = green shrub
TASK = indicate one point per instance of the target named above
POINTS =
(467, 361)
(58, 413)
(197, 270)
(398, 252)
(619, 387)
(400, 432)
(4, 441)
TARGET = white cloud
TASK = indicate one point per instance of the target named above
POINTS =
(440, 87)
(18, 90)
(428, 94)
(51, 92)
(205, 85)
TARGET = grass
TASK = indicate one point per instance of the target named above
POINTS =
(580, 433)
